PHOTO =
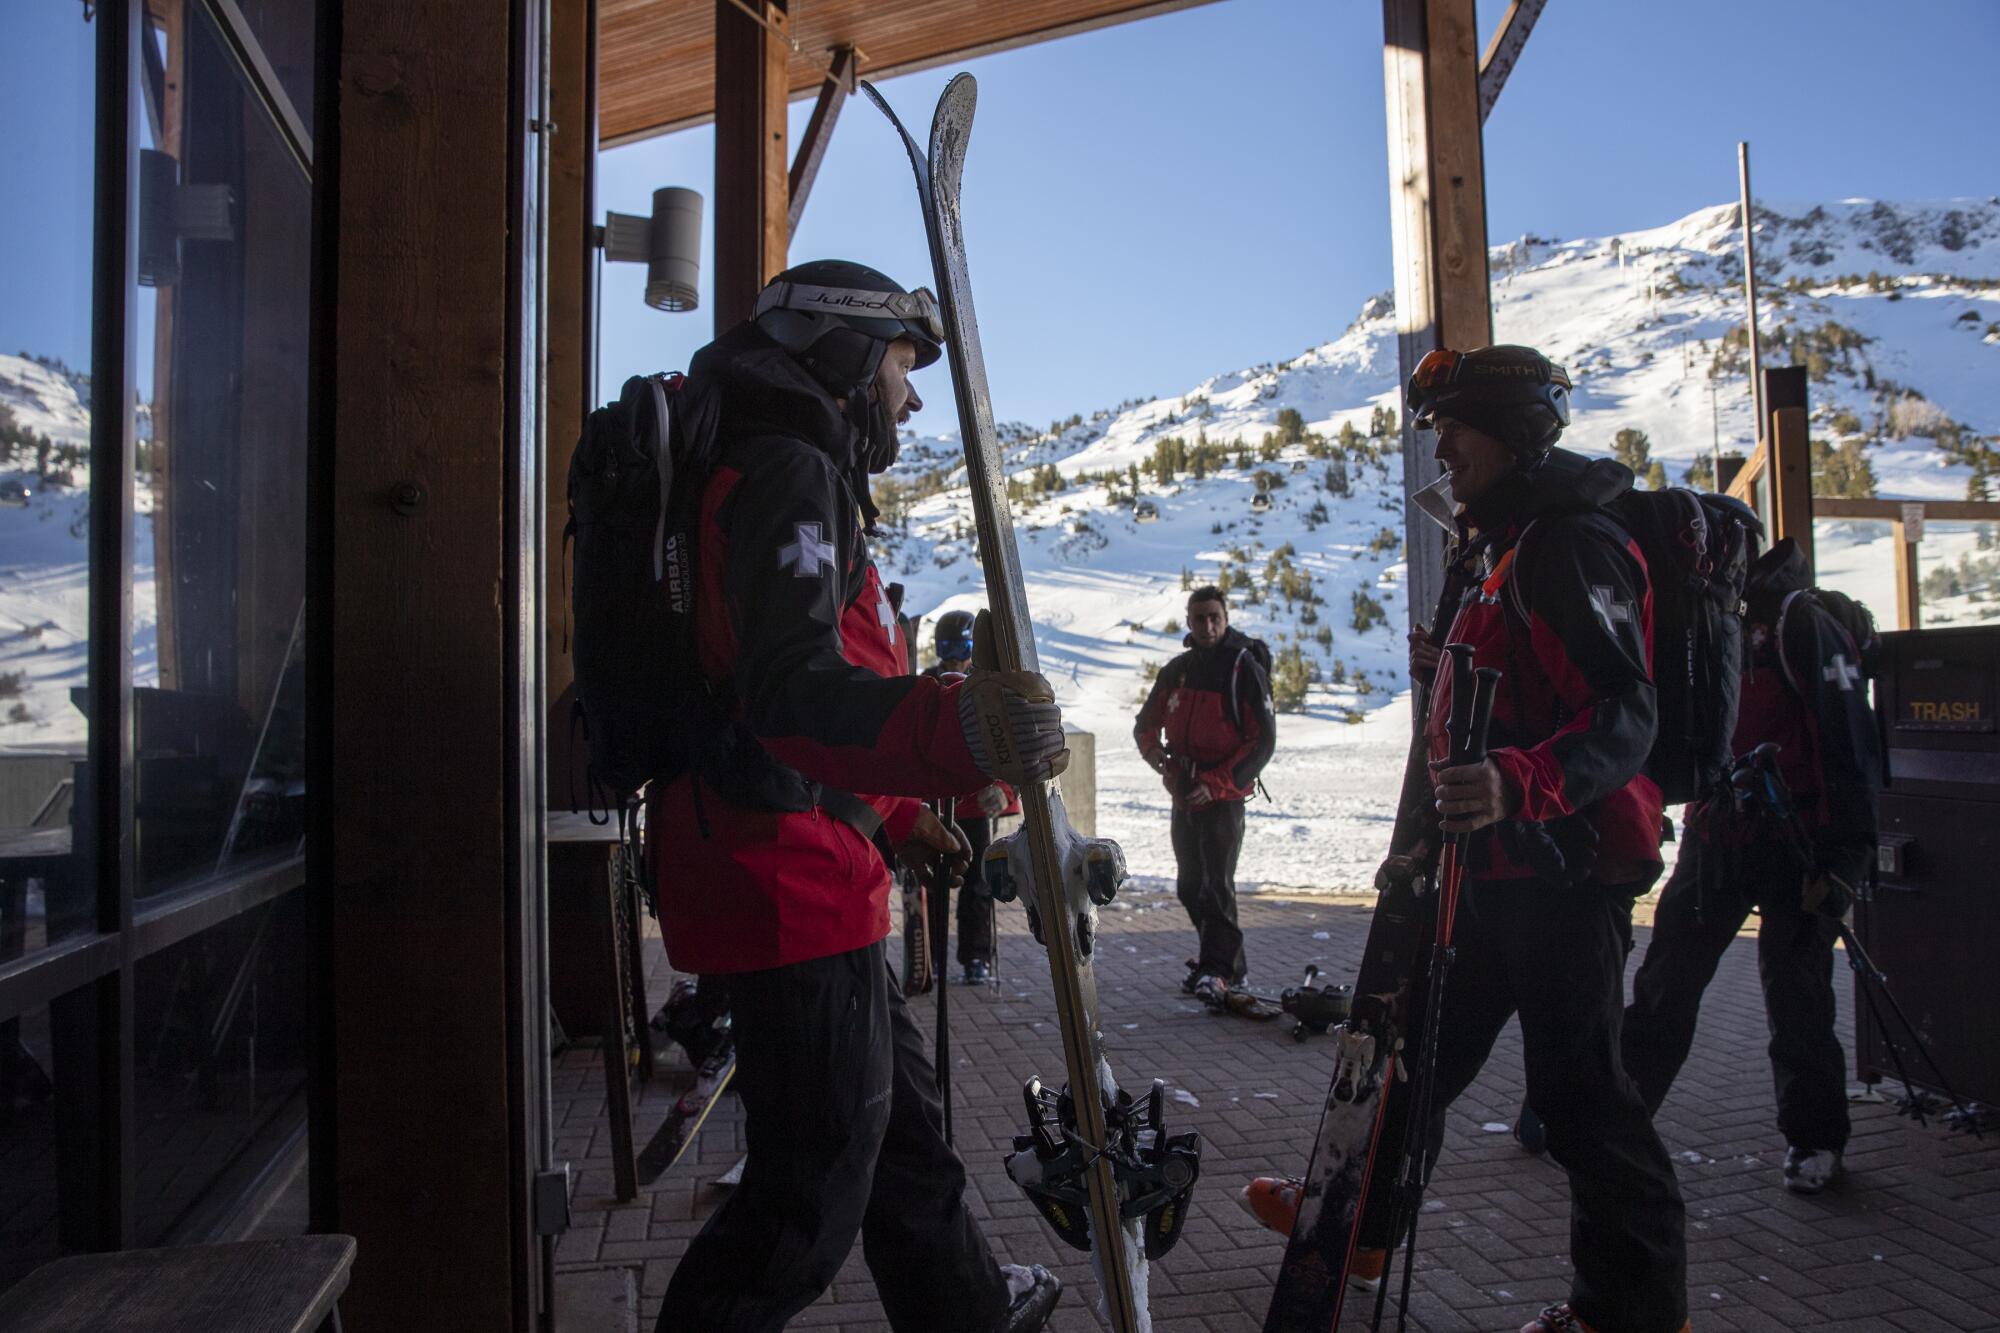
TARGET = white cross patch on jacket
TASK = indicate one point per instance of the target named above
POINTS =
(1609, 609)
(1842, 672)
(808, 553)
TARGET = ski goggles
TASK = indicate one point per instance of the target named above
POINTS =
(955, 649)
(918, 309)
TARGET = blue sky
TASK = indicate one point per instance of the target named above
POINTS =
(1161, 201)
(1154, 203)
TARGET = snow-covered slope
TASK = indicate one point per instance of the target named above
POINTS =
(44, 559)
(1889, 301)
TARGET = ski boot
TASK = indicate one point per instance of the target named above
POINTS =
(1561, 1319)
(1273, 1201)
(1032, 1292)
(1314, 1005)
(697, 1021)
(1193, 975)
(979, 972)
(1809, 1170)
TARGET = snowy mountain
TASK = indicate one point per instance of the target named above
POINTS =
(1895, 309)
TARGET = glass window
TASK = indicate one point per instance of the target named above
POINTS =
(47, 114)
(219, 569)
(284, 33)
(219, 1064)
(29, 1234)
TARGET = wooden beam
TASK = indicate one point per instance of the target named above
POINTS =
(571, 212)
(1909, 591)
(658, 54)
(752, 227)
(1437, 203)
(833, 95)
(1790, 466)
(1504, 50)
(1935, 511)
(424, 363)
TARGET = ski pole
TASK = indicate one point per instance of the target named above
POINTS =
(940, 932)
(1466, 727)
(1762, 763)
(1863, 965)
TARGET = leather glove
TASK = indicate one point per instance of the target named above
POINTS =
(1012, 726)
(936, 851)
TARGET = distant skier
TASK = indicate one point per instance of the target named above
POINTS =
(975, 815)
(1803, 690)
(1207, 728)
(766, 875)
(1566, 829)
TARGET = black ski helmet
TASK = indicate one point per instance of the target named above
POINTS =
(838, 318)
(953, 636)
(1513, 393)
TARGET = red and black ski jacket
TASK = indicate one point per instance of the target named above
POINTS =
(968, 807)
(795, 637)
(1209, 715)
(1803, 689)
(1574, 717)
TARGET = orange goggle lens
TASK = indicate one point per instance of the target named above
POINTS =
(1438, 368)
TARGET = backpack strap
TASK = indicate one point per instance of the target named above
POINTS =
(663, 460)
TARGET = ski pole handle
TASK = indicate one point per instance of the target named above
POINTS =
(1458, 726)
(1488, 680)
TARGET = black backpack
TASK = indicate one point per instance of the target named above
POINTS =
(1854, 619)
(635, 484)
(1698, 549)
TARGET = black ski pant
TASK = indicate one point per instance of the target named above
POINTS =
(1555, 954)
(975, 904)
(1206, 844)
(845, 1136)
(1693, 925)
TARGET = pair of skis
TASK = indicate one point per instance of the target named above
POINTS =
(1384, 1051)
(1098, 1165)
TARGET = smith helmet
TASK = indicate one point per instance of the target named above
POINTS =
(953, 636)
(1515, 394)
(838, 319)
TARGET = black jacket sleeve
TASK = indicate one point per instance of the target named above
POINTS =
(793, 539)
(1820, 662)
(1589, 615)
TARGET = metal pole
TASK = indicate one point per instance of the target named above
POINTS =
(1750, 291)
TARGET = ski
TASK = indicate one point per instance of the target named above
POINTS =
(1119, 1168)
(1377, 1035)
(690, 1111)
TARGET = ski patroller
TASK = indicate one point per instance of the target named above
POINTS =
(1090, 1148)
(1381, 1032)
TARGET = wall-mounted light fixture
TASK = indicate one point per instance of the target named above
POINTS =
(667, 243)
(171, 212)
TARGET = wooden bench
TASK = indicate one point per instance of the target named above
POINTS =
(258, 1286)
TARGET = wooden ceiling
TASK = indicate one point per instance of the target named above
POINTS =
(656, 58)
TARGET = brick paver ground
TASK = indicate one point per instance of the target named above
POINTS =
(1909, 1243)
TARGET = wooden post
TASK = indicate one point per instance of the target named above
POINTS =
(424, 569)
(572, 33)
(1909, 598)
(1789, 470)
(752, 194)
(1437, 203)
